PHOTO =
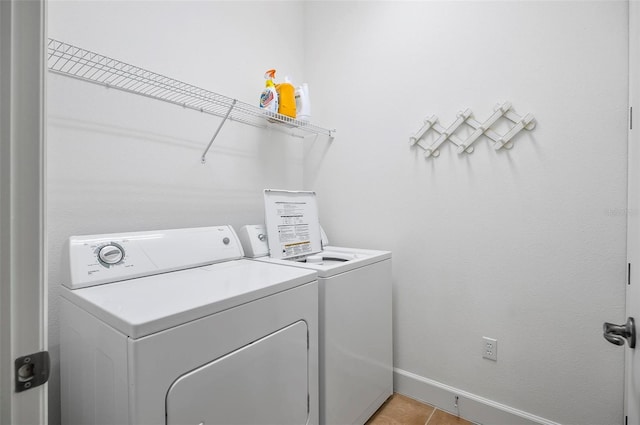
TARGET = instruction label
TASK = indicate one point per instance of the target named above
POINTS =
(293, 229)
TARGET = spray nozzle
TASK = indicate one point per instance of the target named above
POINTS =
(270, 75)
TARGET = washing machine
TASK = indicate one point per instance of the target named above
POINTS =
(175, 327)
(355, 304)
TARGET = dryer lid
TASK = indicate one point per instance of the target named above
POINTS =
(293, 227)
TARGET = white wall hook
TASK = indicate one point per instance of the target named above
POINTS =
(448, 133)
(503, 108)
(520, 124)
(462, 149)
(479, 129)
(428, 123)
(430, 152)
(500, 110)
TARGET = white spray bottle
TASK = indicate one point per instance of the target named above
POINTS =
(269, 96)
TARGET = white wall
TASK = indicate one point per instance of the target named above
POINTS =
(526, 246)
(118, 162)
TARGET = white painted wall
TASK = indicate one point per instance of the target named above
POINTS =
(526, 246)
(118, 162)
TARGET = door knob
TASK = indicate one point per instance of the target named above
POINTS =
(616, 334)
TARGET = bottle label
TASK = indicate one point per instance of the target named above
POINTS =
(266, 98)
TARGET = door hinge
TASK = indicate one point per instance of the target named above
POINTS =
(628, 273)
(31, 371)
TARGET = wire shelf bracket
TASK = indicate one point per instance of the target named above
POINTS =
(75, 62)
(526, 122)
(203, 159)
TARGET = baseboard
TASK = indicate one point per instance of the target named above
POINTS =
(470, 406)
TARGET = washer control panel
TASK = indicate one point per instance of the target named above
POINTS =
(254, 240)
(99, 259)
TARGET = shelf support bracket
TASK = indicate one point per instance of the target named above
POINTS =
(204, 155)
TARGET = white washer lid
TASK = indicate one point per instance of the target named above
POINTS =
(331, 260)
(293, 227)
(147, 305)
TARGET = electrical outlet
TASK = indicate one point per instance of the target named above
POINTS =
(490, 348)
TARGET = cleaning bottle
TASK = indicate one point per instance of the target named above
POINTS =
(303, 106)
(286, 98)
(269, 96)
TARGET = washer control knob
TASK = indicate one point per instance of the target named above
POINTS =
(262, 237)
(226, 241)
(111, 254)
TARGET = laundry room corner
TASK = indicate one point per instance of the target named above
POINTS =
(520, 245)
(523, 245)
(121, 163)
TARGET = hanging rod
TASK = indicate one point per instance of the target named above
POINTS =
(71, 61)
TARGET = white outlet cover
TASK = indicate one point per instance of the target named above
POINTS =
(490, 348)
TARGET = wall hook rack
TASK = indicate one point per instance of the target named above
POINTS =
(465, 145)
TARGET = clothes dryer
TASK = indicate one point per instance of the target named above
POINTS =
(174, 327)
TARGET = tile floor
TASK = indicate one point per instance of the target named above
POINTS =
(402, 410)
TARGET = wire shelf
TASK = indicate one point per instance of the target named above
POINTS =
(71, 61)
